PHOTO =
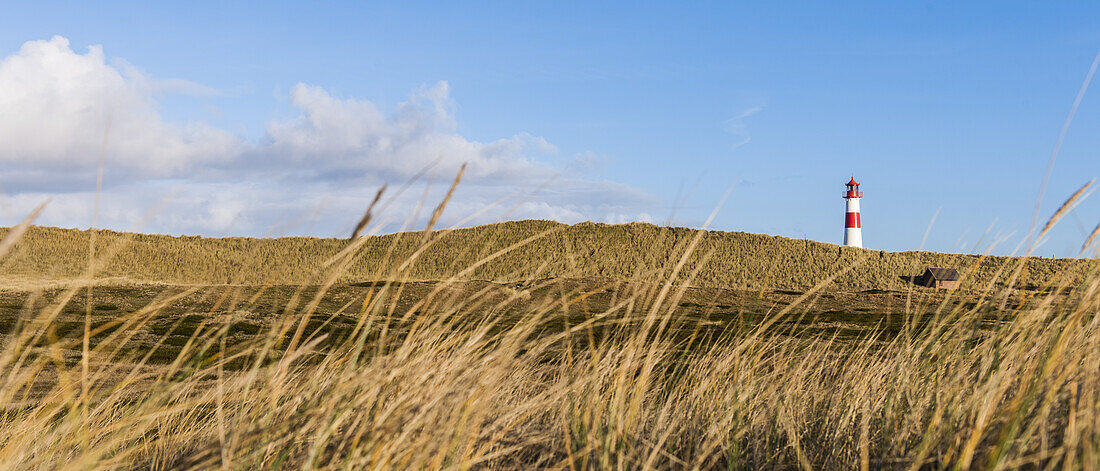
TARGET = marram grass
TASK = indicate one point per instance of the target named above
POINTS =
(587, 250)
(458, 380)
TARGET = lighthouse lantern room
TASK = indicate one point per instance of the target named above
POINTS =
(853, 235)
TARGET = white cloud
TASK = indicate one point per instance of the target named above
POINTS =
(355, 137)
(736, 125)
(56, 106)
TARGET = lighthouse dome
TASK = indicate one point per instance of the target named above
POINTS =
(853, 182)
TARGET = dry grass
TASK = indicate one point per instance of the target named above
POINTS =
(551, 250)
(455, 379)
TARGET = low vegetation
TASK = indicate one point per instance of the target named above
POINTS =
(582, 347)
(548, 250)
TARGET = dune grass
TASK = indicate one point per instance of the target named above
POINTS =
(457, 379)
(586, 250)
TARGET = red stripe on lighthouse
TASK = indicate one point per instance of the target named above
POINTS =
(852, 220)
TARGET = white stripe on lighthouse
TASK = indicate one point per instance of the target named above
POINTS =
(853, 237)
(852, 205)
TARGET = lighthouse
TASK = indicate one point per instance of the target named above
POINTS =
(853, 234)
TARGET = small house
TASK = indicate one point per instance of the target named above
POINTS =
(940, 278)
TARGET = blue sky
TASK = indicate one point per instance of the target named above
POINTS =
(283, 118)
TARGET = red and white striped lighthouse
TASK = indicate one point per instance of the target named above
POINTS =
(853, 233)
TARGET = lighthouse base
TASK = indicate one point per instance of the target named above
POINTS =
(853, 237)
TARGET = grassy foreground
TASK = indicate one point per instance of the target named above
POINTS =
(539, 373)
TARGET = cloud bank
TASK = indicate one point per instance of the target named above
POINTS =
(61, 112)
(56, 105)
